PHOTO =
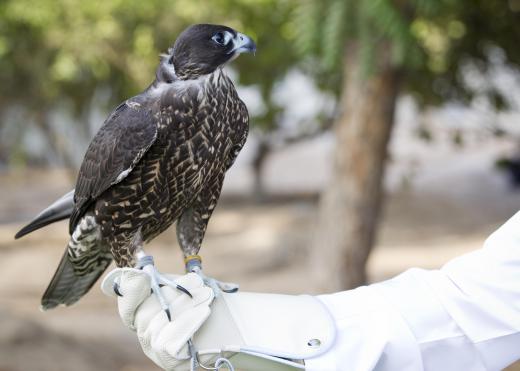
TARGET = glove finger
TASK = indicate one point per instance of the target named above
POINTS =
(202, 296)
(189, 281)
(174, 335)
(146, 335)
(153, 330)
(147, 311)
(151, 307)
(134, 285)
(178, 303)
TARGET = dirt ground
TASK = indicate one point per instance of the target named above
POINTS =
(261, 246)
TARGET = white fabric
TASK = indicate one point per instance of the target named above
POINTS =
(465, 316)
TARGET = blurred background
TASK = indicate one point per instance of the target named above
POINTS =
(385, 135)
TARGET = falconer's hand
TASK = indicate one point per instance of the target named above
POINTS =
(162, 340)
(249, 331)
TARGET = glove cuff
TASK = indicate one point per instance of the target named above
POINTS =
(266, 327)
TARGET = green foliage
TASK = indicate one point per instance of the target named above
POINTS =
(428, 40)
(61, 52)
(468, 33)
(326, 28)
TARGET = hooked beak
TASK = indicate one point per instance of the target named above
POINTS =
(243, 44)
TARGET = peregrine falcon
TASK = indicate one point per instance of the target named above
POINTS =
(160, 157)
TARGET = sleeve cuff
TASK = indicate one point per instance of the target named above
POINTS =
(370, 333)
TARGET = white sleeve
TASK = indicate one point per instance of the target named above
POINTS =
(465, 316)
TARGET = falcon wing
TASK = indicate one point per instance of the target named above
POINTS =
(117, 147)
(240, 134)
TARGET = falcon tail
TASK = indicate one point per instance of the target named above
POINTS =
(59, 210)
(66, 287)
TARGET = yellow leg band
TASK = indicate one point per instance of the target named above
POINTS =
(192, 257)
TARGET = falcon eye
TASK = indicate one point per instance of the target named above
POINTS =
(220, 38)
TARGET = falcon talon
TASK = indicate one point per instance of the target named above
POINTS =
(168, 314)
(215, 285)
(227, 287)
(163, 281)
(179, 287)
(116, 290)
(231, 290)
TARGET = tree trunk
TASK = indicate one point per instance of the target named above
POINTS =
(261, 155)
(350, 206)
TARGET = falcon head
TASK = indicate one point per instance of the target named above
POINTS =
(202, 48)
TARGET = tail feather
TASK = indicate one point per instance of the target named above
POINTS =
(66, 287)
(59, 210)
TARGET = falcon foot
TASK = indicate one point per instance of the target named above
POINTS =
(158, 280)
(194, 264)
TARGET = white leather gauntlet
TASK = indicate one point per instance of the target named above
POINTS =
(251, 331)
(163, 341)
